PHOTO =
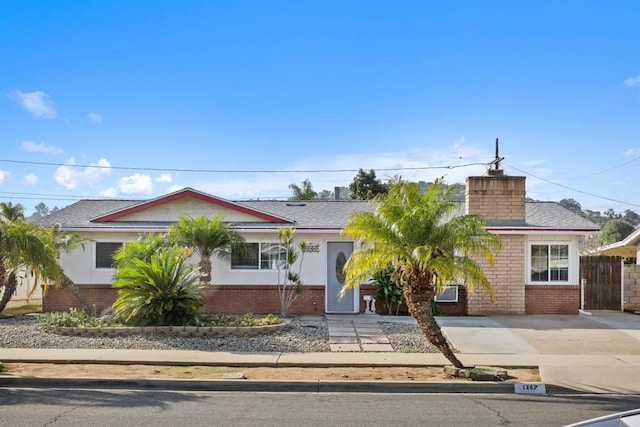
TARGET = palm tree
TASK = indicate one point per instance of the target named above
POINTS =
(14, 214)
(67, 242)
(428, 249)
(11, 212)
(207, 237)
(305, 192)
(162, 290)
(26, 246)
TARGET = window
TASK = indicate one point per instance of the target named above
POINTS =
(259, 256)
(104, 253)
(448, 294)
(549, 263)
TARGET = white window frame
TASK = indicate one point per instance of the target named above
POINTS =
(259, 264)
(95, 253)
(571, 266)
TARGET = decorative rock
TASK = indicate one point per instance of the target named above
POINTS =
(452, 371)
(234, 376)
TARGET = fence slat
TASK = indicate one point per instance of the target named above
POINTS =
(603, 275)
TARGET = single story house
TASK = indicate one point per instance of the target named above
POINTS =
(628, 247)
(535, 272)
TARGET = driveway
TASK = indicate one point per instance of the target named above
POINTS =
(598, 353)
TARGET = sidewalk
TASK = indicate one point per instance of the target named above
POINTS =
(573, 353)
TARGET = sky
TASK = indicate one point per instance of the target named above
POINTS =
(239, 99)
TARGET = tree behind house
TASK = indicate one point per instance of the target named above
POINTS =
(304, 192)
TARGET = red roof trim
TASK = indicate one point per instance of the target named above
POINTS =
(577, 230)
(188, 192)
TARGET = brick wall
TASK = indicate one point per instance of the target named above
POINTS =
(496, 197)
(236, 299)
(507, 278)
(260, 299)
(552, 299)
(59, 299)
(632, 287)
(450, 308)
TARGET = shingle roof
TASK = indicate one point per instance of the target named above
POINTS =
(308, 214)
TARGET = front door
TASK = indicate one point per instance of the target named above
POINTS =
(337, 255)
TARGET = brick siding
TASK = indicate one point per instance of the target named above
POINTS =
(496, 197)
(552, 299)
(507, 278)
(232, 299)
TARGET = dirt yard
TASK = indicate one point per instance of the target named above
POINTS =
(258, 373)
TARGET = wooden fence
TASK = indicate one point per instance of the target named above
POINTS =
(603, 276)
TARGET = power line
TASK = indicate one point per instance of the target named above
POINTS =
(606, 170)
(134, 168)
(573, 189)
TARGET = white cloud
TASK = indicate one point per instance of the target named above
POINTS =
(270, 185)
(632, 81)
(632, 152)
(36, 102)
(69, 176)
(135, 184)
(95, 172)
(40, 147)
(4, 175)
(109, 192)
(95, 117)
(30, 179)
(65, 176)
(164, 177)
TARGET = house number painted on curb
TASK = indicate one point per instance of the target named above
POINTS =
(530, 388)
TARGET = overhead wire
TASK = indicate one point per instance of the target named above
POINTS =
(139, 168)
(571, 188)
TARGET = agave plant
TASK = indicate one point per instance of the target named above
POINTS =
(162, 290)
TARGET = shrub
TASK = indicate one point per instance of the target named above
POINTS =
(73, 318)
(161, 291)
(246, 320)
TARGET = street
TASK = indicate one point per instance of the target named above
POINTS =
(77, 407)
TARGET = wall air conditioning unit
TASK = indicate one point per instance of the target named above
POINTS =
(448, 294)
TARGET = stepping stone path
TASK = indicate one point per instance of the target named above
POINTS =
(359, 334)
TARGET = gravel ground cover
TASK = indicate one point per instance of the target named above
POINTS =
(304, 336)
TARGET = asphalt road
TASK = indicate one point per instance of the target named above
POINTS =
(77, 407)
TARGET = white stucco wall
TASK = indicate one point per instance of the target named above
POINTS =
(79, 264)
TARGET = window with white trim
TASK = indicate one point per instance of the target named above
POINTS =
(104, 253)
(549, 263)
(259, 256)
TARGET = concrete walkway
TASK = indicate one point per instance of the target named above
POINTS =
(357, 333)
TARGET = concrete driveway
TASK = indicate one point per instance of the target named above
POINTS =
(599, 353)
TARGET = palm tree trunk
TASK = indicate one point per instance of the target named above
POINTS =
(418, 297)
(205, 270)
(9, 289)
(75, 290)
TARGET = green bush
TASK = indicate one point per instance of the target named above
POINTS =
(73, 318)
(242, 321)
(161, 291)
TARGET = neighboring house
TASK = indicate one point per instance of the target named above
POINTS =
(535, 272)
(626, 248)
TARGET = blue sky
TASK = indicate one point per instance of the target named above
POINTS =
(153, 90)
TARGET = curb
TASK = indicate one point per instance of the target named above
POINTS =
(301, 386)
(273, 386)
